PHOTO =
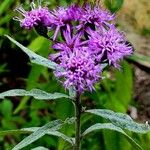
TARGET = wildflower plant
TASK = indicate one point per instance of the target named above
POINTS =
(89, 42)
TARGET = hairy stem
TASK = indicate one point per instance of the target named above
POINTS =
(77, 123)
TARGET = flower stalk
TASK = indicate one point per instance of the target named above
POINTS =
(78, 110)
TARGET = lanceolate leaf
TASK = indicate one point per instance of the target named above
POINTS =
(121, 120)
(110, 126)
(33, 129)
(36, 93)
(50, 128)
(35, 58)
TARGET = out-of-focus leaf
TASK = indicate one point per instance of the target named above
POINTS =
(121, 120)
(123, 86)
(6, 108)
(59, 108)
(38, 44)
(36, 93)
(110, 126)
(113, 5)
(3, 68)
(5, 19)
(4, 5)
(141, 59)
(35, 58)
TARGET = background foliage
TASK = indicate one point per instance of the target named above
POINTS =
(115, 92)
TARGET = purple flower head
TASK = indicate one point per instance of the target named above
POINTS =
(80, 70)
(110, 45)
(71, 43)
(60, 18)
(75, 12)
(37, 16)
(94, 17)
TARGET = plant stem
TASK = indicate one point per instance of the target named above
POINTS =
(78, 109)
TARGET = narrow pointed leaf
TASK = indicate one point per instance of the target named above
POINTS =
(110, 126)
(40, 132)
(36, 93)
(33, 129)
(121, 120)
(35, 58)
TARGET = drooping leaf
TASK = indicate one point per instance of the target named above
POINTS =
(121, 120)
(36, 93)
(110, 126)
(33, 129)
(49, 128)
(35, 58)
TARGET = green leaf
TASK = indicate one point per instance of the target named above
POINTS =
(3, 68)
(63, 136)
(121, 120)
(113, 5)
(141, 59)
(4, 5)
(18, 131)
(33, 129)
(110, 126)
(37, 45)
(40, 148)
(35, 58)
(51, 127)
(6, 109)
(36, 93)
(72, 92)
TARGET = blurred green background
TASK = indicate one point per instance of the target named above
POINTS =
(124, 91)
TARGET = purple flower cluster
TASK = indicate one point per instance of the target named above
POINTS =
(88, 39)
(80, 70)
(109, 45)
(34, 17)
